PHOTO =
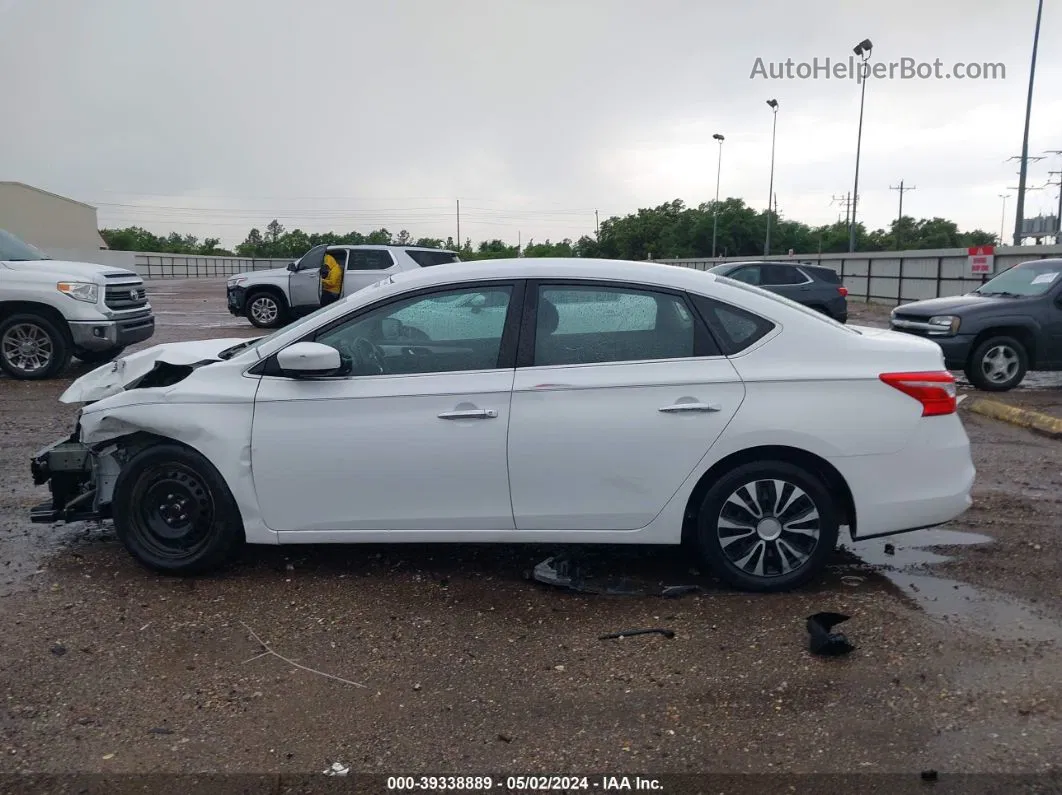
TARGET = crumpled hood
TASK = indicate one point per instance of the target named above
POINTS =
(110, 379)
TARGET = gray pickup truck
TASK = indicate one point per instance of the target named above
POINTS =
(996, 334)
(53, 310)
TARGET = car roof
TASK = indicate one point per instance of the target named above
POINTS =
(390, 246)
(647, 273)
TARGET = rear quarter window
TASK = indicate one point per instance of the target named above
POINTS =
(734, 329)
(427, 259)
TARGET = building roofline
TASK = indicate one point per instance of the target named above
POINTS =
(47, 193)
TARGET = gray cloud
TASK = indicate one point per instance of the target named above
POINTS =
(362, 114)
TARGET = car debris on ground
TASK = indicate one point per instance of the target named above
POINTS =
(564, 571)
(822, 641)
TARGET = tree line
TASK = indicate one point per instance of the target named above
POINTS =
(670, 231)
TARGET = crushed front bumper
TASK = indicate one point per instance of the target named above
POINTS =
(236, 297)
(67, 466)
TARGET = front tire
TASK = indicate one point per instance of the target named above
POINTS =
(767, 526)
(32, 347)
(998, 364)
(174, 513)
(265, 310)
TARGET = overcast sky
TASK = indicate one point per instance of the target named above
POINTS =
(345, 114)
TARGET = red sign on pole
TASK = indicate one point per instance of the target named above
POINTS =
(981, 260)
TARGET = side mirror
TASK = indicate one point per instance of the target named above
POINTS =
(293, 266)
(309, 359)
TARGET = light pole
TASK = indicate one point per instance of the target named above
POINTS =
(718, 173)
(863, 51)
(773, 104)
(1019, 210)
(1003, 216)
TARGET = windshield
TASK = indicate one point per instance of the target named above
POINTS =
(788, 302)
(14, 250)
(1025, 279)
(241, 347)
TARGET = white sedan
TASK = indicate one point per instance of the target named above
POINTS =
(528, 400)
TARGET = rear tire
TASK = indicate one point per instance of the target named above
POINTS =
(998, 364)
(174, 512)
(33, 347)
(265, 310)
(767, 526)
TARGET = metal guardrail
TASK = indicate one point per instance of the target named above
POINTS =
(183, 266)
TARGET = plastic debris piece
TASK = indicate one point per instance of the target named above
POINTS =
(822, 640)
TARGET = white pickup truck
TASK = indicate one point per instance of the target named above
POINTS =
(271, 298)
(52, 310)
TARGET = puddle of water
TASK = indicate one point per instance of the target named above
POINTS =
(981, 610)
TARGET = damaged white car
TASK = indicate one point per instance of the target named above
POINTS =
(552, 400)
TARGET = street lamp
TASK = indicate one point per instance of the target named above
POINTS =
(1003, 216)
(718, 172)
(773, 104)
(1019, 210)
(863, 51)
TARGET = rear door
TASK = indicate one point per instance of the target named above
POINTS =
(366, 266)
(620, 391)
(786, 281)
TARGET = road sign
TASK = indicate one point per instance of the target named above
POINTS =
(981, 260)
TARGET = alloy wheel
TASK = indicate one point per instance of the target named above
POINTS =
(27, 347)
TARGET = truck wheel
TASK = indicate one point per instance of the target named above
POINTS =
(997, 364)
(32, 347)
(99, 357)
(265, 310)
(174, 513)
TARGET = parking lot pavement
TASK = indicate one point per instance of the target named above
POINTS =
(469, 667)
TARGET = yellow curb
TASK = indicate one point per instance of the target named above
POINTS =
(1025, 418)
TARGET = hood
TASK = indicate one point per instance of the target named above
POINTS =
(955, 304)
(268, 272)
(179, 357)
(66, 269)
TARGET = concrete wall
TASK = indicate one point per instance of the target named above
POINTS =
(117, 259)
(893, 277)
(186, 266)
(46, 220)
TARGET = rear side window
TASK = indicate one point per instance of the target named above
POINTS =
(781, 275)
(428, 258)
(369, 260)
(826, 274)
(735, 329)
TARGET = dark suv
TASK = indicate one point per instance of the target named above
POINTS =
(1007, 326)
(814, 286)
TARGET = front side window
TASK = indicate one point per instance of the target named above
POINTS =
(592, 325)
(436, 333)
(369, 260)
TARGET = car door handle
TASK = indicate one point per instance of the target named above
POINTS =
(469, 414)
(677, 407)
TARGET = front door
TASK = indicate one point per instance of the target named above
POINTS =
(304, 283)
(623, 394)
(412, 436)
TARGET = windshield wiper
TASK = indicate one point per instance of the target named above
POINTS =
(1005, 293)
(228, 353)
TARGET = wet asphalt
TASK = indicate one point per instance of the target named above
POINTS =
(449, 660)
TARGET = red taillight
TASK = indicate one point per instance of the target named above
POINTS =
(843, 291)
(935, 391)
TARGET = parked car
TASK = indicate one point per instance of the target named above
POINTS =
(814, 286)
(52, 310)
(271, 298)
(525, 400)
(1009, 325)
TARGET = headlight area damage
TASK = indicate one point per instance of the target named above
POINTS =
(81, 472)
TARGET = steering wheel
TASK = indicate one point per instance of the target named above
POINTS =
(368, 357)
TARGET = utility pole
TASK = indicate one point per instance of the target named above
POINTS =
(597, 225)
(1058, 216)
(1021, 188)
(1003, 216)
(899, 217)
(1019, 213)
(845, 200)
(459, 224)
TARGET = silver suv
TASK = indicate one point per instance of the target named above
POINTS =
(271, 298)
